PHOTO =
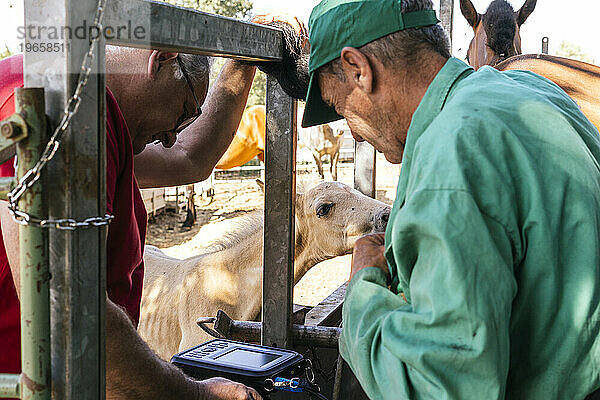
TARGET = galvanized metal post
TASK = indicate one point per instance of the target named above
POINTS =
(162, 26)
(77, 190)
(364, 168)
(545, 41)
(447, 16)
(33, 245)
(279, 233)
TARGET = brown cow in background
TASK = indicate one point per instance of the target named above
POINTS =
(321, 141)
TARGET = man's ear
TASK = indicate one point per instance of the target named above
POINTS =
(357, 68)
(156, 59)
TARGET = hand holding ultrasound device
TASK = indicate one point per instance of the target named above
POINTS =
(265, 369)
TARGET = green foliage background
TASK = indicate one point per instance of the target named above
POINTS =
(574, 51)
(229, 8)
(239, 9)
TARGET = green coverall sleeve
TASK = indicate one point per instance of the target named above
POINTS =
(451, 340)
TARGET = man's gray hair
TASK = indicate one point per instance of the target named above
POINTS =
(404, 47)
(196, 66)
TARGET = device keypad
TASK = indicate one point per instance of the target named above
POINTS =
(205, 351)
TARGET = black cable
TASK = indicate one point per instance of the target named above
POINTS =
(315, 394)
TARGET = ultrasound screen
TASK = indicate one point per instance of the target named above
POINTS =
(248, 358)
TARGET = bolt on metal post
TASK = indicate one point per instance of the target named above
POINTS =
(10, 129)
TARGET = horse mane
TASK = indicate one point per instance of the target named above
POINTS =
(235, 231)
(499, 23)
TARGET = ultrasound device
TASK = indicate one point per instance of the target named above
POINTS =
(265, 369)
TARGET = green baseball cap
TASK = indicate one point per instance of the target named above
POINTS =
(335, 24)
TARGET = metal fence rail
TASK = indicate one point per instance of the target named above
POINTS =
(280, 200)
(446, 16)
(161, 26)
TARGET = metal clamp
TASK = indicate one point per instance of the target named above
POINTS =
(249, 331)
(202, 321)
(290, 385)
(308, 370)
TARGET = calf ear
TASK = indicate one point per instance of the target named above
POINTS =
(261, 185)
(469, 12)
(525, 11)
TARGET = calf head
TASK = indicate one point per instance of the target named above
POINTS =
(329, 219)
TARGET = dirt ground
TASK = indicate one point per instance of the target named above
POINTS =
(233, 198)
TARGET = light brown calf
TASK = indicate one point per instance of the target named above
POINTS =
(228, 275)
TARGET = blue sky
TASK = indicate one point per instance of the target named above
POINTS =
(575, 21)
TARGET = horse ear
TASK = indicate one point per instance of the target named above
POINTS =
(469, 12)
(525, 11)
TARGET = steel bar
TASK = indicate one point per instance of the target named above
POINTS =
(447, 16)
(329, 311)
(299, 313)
(545, 41)
(337, 384)
(279, 231)
(33, 245)
(10, 385)
(77, 190)
(160, 26)
(364, 168)
(247, 331)
(351, 388)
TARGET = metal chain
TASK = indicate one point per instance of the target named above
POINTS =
(327, 373)
(33, 175)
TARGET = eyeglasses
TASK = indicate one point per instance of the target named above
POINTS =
(188, 121)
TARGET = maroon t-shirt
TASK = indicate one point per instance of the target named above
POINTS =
(126, 233)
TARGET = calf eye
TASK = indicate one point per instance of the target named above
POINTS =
(324, 209)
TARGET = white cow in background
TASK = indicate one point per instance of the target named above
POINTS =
(228, 275)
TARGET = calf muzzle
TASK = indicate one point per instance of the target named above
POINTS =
(380, 220)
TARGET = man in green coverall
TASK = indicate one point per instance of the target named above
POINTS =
(486, 285)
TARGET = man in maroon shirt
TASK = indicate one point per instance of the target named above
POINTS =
(152, 98)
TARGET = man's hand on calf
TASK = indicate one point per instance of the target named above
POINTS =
(368, 252)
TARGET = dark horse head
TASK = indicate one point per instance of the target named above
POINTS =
(496, 32)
